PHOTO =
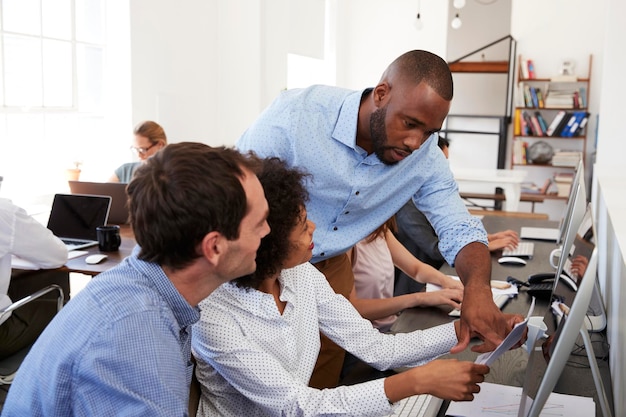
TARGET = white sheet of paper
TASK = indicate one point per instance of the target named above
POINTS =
(495, 400)
(512, 338)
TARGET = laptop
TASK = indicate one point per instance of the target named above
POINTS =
(116, 190)
(74, 218)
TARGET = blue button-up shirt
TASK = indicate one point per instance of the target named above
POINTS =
(120, 347)
(353, 193)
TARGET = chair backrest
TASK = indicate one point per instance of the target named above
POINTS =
(10, 364)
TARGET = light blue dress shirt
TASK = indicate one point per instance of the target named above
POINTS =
(120, 347)
(352, 193)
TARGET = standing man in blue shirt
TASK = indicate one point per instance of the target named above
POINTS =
(122, 346)
(369, 152)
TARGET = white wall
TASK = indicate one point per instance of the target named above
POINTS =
(609, 200)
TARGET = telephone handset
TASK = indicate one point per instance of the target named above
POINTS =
(540, 285)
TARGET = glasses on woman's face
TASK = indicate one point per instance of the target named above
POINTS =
(143, 151)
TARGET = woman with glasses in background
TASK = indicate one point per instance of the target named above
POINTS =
(149, 138)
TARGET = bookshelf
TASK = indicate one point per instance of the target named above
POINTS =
(550, 124)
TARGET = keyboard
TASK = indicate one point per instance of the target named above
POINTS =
(499, 299)
(423, 405)
(523, 249)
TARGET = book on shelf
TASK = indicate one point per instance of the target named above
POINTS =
(517, 122)
(563, 158)
(532, 188)
(542, 123)
(523, 65)
(531, 130)
(531, 69)
(563, 181)
(519, 152)
(537, 128)
(533, 96)
(550, 131)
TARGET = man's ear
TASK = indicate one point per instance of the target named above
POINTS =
(213, 246)
(380, 93)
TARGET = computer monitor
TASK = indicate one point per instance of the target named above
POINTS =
(570, 226)
(561, 344)
(575, 306)
(579, 177)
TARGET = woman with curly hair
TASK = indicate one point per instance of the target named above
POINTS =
(258, 337)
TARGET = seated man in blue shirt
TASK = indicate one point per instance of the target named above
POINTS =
(369, 152)
(122, 346)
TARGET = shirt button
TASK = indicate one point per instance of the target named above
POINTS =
(322, 254)
(347, 212)
(335, 228)
(357, 193)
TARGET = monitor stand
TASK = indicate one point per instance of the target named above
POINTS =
(595, 371)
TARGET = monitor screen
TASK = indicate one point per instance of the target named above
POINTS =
(571, 224)
(570, 308)
(579, 178)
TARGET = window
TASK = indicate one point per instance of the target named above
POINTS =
(55, 83)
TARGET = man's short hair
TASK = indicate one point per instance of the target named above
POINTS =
(422, 66)
(182, 193)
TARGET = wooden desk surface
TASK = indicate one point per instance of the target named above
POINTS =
(510, 369)
(79, 265)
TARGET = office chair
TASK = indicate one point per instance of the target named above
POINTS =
(10, 364)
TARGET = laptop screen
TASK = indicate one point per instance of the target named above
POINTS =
(77, 216)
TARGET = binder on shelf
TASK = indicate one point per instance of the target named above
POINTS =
(582, 125)
(551, 130)
(579, 116)
(569, 121)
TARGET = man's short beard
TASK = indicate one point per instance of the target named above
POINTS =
(378, 133)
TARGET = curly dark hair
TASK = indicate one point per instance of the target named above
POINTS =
(286, 196)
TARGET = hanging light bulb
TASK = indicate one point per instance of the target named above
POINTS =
(458, 4)
(419, 24)
(456, 22)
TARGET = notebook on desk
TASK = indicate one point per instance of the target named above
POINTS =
(74, 218)
(118, 213)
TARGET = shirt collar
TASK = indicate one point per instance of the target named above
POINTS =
(345, 129)
(184, 313)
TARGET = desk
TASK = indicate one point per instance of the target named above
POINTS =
(78, 264)
(510, 369)
(509, 180)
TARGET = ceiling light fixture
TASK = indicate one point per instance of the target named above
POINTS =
(458, 4)
(456, 22)
(419, 24)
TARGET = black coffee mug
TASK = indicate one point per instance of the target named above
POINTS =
(109, 239)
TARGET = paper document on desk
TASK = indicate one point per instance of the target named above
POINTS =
(495, 400)
(513, 337)
(19, 263)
